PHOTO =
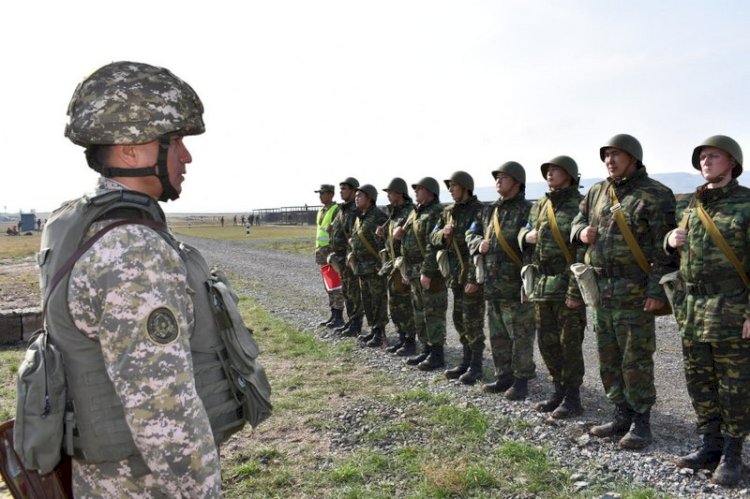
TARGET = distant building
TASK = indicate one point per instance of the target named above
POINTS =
(28, 221)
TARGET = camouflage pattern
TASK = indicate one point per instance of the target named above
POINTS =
(468, 310)
(560, 330)
(132, 103)
(366, 265)
(399, 294)
(713, 309)
(374, 302)
(136, 272)
(341, 229)
(335, 297)
(510, 321)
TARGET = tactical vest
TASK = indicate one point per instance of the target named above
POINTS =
(323, 221)
(99, 432)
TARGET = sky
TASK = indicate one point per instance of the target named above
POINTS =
(299, 93)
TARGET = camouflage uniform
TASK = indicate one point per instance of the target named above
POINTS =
(560, 329)
(341, 230)
(511, 322)
(399, 295)
(133, 272)
(366, 265)
(625, 332)
(322, 250)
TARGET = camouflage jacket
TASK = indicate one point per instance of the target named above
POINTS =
(461, 214)
(502, 274)
(554, 281)
(717, 302)
(341, 227)
(397, 216)
(362, 258)
(649, 208)
(416, 240)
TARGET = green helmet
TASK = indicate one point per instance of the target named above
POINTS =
(370, 191)
(461, 178)
(132, 103)
(566, 163)
(430, 184)
(398, 185)
(513, 169)
(626, 143)
(726, 144)
(351, 182)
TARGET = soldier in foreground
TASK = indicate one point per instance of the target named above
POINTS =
(323, 221)
(429, 296)
(710, 305)
(493, 237)
(559, 311)
(629, 290)
(448, 235)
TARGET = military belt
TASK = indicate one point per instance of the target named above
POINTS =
(549, 269)
(703, 288)
(620, 271)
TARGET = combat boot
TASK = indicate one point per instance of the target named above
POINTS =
(619, 425)
(435, 360)
(365, 337)
(502, 383)
(413, 361)
(457, 371)
(571, 404)
(519, 390)
(399, 343)
(474, 373)
(639, 435)
(337, 320)
(327, 321)
(343, 329)
(355, 327)
(377, 338)
(707, 456)
(729, 471)
(408, 348)
(553, 401)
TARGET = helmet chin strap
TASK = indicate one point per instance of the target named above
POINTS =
(159, 170)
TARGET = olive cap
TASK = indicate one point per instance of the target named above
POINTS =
(726, 144)
(351, 182)
(326, 188)
(370, 191)
(566, 163)
(398, 185)
(512, 168)
(430, 184)
(626, 143)
(461, 178)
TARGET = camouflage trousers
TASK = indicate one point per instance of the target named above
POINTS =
(626, 339)
(352, 293)
(512, 338)
(468, 317)
(374, 299)
(718, 382)
(560, 332)
(399, 304)
(429, 307)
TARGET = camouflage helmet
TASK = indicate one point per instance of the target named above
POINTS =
(351, 182)
(430, 184)
(461, 178)
(566, 163)
(132, 103)
(626, 143)
(398, 185)
(726, 144)
(370, 191)
(513, 169)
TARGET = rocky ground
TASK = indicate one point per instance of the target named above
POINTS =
(290, 287)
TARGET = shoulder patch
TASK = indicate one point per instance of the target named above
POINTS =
(161, 326)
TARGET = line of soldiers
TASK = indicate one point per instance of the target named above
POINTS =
(515, 259)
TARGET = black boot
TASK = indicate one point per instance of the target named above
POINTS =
(337, 320)
(553, 401)
(571, 404)
(619, 425)
(377, 338)
(355, 327)
(435, 360)
(343, 329)
(639, 435)
(519, 390)
(365, 337)
(729, 471)
(399, 343)
(327, 321)
(457, 371)
(408, 348)
(707, 456)
(413, 361)
(502, 383)
(474, 373)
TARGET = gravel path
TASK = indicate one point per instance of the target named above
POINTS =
(290, 287)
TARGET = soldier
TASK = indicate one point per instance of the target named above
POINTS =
(323, 248)
(713, 242)
(468, 300)
(341, 230)
(558, 307)
(399, 294)
(429, 296)
(129, 314)
(628, 282)
(493, 237)
(365, 263)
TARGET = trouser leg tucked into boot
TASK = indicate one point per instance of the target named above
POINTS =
(408, 348)
(344, 328)
(501, 383)
(462, 367)
(327, 321)
(707, 456)
(355, 327)
(619, 425)
(639, 435)
(729, 471)
(519, 390)
(337, 320)
(435, 360)
(571, 404)
(378, 337)
(413, 361)
(553, 401)
(474, 373)
(399, 343)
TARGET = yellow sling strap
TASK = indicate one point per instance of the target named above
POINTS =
(616, 210)
(364, 239)
(457, 250)
(390, 242)
(719, 240)
(556, 233)
(503, 243)
(415, 227)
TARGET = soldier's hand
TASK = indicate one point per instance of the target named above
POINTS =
(471, 288)
(398, 233)
(379, 231)
(425, 281)
(677, 238)
(530, 237)
(746, 329)
(484, 246)
(652, 305)
(448, 230)
(588, 235)
(572, 304)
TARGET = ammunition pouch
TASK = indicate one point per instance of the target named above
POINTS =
(586, 278)
(444, 263)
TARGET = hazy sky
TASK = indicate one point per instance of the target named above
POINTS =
(303, 92)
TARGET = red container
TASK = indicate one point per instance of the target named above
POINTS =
(331, 278)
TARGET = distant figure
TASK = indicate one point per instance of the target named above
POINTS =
(242, 219)
(250, 219)
(235, 220)
(38, 224)
(11, 231)
(222, 220)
